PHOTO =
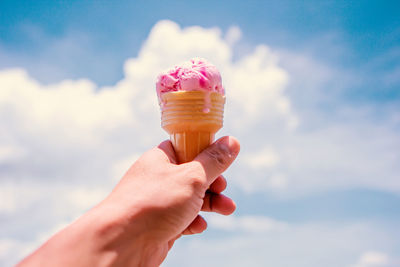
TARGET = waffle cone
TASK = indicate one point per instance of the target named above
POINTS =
(191, 118)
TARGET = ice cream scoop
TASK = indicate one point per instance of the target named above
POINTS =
(194, 75)
(192, 99)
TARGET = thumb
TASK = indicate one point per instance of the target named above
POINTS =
(218, 157)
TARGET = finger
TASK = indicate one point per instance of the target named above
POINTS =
(196, 227)
(218, 203)
(217, 158)
(218, 185)
(167, 148)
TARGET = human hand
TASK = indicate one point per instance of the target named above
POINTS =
(162, 200)
(155, 203)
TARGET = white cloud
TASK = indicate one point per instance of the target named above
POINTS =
(267, 242)
(70, 109)
(233, 35)
(16, 197)
(252, 224)
(373, 258)
(13, 250)
(64, 145)
(10, 153)
(265, 158)
(72, 130)
(332, 156)
(8, 205)
(335, 145)
(62, 199)
(64, 125)
(255, 87)
(120, 167)
(84, 198)
(9, 247)
(32, 212)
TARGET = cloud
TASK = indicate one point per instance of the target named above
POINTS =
(270, 242)
(13, 247)
(63, 127)
(263, 158)
(233, 35)
(327, 156)
(252, 224)
(65, 123)
(167, 44)
(120, 167)
(336, 143)
(10, 153)
(13, 250)
(72, 109)
(64, 145)
(377, 258)
(373, 258)
(31, 212)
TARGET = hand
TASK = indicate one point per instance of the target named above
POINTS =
(171, 196)
(155, 203)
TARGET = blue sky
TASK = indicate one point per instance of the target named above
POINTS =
(313, 95)
(365, 30)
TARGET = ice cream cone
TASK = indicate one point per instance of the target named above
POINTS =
(191, 118)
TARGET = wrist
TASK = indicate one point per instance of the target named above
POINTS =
(101, 237)
(121, 239)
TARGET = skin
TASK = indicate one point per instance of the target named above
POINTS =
(154, 204)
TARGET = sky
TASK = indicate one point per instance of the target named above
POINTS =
(313, 95)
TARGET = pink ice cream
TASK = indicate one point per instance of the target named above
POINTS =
(194, 75)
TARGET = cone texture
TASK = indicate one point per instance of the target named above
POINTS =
(191, 118)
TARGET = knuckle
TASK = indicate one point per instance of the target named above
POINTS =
(198, 182)
(195, 177)
(220, 157)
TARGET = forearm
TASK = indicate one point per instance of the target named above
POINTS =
(101, 237)
(69, 247)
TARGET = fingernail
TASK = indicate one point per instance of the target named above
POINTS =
(229, 145)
